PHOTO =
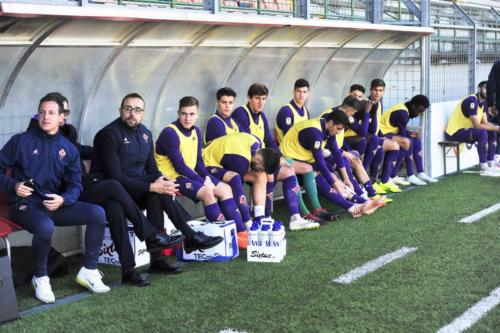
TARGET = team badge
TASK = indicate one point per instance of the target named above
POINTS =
(189, 186)
(288, 121)
(351, 119)
(472, 106)
(243, 200)
(270, 195)
(35, 152)
(62, 153)
(221, 217)
(213, 170)
(145, 137)
(317, 144)
(125, 141)
(296, 189)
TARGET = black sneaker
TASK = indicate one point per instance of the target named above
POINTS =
(133, 277)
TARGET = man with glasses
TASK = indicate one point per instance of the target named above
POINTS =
(124, 152)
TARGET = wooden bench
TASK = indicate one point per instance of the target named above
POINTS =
(447, 147)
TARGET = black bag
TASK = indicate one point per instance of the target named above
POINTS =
(8, 301)
(22, 265)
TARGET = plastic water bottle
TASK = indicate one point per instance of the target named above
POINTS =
(253, 234)
(276, 234)
(264, 234)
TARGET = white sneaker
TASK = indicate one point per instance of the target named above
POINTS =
(416, 181)
(490, 173)
(43, 290)
(426, 178)
(303, 224)
(92, 280)
(400, 181)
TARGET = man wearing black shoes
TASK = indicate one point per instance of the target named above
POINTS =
(124, 152)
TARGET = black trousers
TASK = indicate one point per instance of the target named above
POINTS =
(155, 204)
(119, 207)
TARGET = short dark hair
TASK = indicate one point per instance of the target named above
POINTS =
(188, 101)
(271, 159)
(357, 87)
(338, 118)
(226, 91)
(257, 89)
(377, 83)
(482, 83)
(421, 100)
(351, 101)
(53, 97)
(132, 95)
(301, 83)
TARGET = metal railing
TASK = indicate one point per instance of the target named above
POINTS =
(283, 7)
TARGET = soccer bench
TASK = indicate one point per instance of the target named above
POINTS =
(447, 147)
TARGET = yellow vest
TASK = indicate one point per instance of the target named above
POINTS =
(188, 147)
(291, 147)
(338, 137)
(256, 129)
(297, 118)
(458, 121)
(385, 121)
(229, 130)
(234, 144)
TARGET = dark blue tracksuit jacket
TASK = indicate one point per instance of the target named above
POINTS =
(51, 161)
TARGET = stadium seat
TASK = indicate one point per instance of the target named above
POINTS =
(6, 225)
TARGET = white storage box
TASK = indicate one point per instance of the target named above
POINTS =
(224, 251)
(109, 255)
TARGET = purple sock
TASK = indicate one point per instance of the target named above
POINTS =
(333, 196)
(269, 197)
(399, 162)
(239, 197)
(410, 170)
(231, 212)
(417, 154)
(357, 199)
(361, 147)
(290, 189)
(389, 163)
(370, 151)
(492, 145)
(369, 188)
(355, 184)
(377, 160)
(213, 213)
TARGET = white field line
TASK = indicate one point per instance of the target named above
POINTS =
(373, 265)
(479, 215)
(230, 330)
(473, 314)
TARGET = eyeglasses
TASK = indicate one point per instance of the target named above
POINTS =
(129, 110)
(67, 111)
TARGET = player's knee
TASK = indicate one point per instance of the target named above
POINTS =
(224, 190)
(391, 145)
(44, 229)
(405, 143)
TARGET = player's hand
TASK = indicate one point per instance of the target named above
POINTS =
(54, 202)
(492, 111)
(164, 186)
(208, 182)
(22, 190)
(368, 105)
(350, 156)
(326, 153)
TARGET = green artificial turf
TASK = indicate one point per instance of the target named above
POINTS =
(454, 267)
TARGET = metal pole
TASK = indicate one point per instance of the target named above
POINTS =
(425, 68)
